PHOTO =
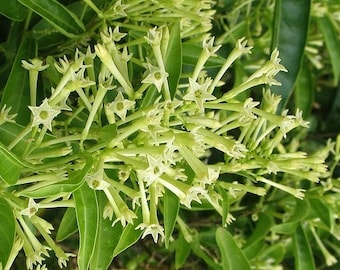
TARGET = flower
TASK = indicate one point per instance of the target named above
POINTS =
(208, 46)
(5, 117)
(156, 168)
(154, 36)
(156, 76)
(31, 209)
(43, 114)
(198, 92)
(35, 65)
(96, 181)
(120, 106)
(154, 229)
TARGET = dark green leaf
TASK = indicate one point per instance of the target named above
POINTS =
(262, 228)
(129, 236)
(183, 249)
(68, 225)
(304, 90)
(13, 10)
(301, 210)
(321, 211)
(65, 21)
(7, 230)
(66, 186)
(232, 256)
(171, 207)
(16, 93)
(87, 218)
(107, 238)
(302, 251)
(291, 19)
(331, 38)
(173, 58)
(10, 166)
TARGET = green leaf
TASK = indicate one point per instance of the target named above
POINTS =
(302, 251)
(129, 236)
(87, 218)
(13, 10)
(67, 186)
(68, 225)
(173, 58)
(289, 36)
(9, 132)
(7, 230)
(321, 211)
(331, 38)
(107, 238)
(16, 93)
(304, 90)
(10, 166)
(171, 207)
(232, 256)
(183, 249)
(254, 242)
(301, 211)
(65, 21)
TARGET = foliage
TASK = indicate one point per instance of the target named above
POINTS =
(165, 129)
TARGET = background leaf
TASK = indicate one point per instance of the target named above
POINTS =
(232, 256)
(65, 21)
(13, 10)
(107, 238)
(290, 29)
(171, 207)
(332, 43)
(7, 230)
(68, 224)
(173, 58)
(302, 251)
(87, 218)
(16, 93)
(10, 166)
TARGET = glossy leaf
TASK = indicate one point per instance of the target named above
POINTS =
(67, 186)
(290, 30)
(65, 21)
(68, 225)
(171, 207)
(7, 230)
(183, 249)
(107, 238)
(10, 166)
(304, 90)
(16, 93)
(301, 211)
(302, 250)
(232, 256)
(331, 38)
(13, 10)
(87, 218)
(173, 58)
(129, 236)
(321, 211)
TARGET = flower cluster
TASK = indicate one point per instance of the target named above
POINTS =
(153, 135)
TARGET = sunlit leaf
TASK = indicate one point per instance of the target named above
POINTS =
(7, 230)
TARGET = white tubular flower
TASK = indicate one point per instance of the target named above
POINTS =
(156, 168)
(31, 209)
(208, 46)
(5, 116)
(198, 93)
(154, 229)
(156, 76)
(120, 106)
(44, 114)
(34, 65)
(154, 36)
(242, 46)
(96, 181)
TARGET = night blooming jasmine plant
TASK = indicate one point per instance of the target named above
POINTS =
(133, 132)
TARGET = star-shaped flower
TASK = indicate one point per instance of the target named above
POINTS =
(120, 105)
(198, 92)
(43, 114)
